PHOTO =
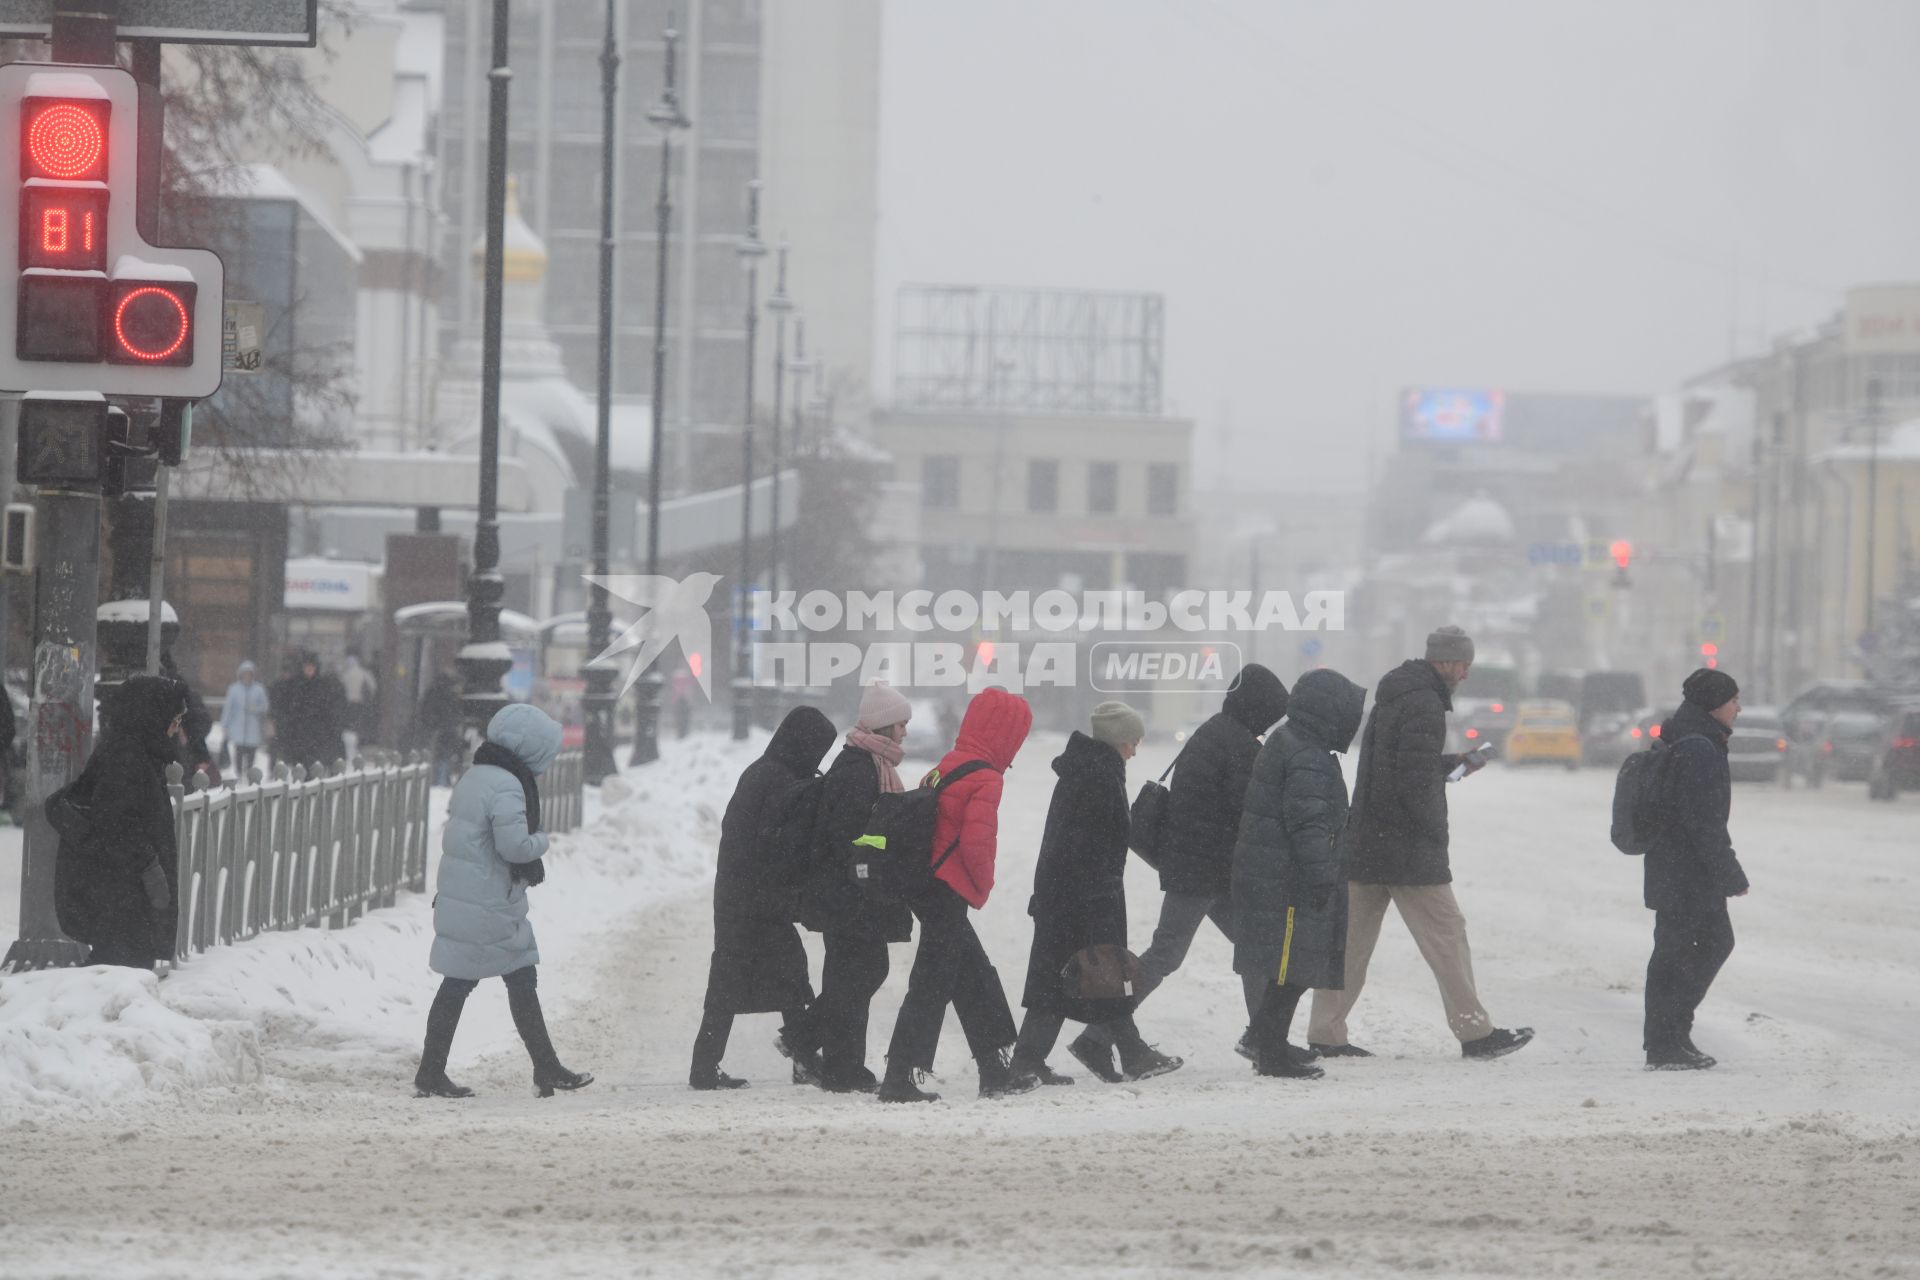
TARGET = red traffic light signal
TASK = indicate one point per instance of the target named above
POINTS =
(149, 322)
(65, 138)
(1622, 552)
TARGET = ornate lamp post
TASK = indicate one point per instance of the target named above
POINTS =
(751, 250)
(780, 305)
(667, 117)
(599, 755)
(485, 660)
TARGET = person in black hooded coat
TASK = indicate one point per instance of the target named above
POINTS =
(116, 877)
(759, 964)
(1289, 892)
(1204, 799)
(1079, 883)
(310, 717)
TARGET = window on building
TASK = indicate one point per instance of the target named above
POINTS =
(1043, 485)
(940, 482)
(1163, 489)
(1103, 488)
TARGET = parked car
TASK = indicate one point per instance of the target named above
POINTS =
(1544, 733)
(1612, 738)
(1809, 750)
(1478, 720)
(1858, 739)
(1757, 748)
(1899, 767)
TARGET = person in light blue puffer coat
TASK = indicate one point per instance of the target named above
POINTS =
(490, 854)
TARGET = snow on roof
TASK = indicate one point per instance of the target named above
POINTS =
(1902, 444)
(134, 611)
(1477, 520)
(266, 182)
(128, 265)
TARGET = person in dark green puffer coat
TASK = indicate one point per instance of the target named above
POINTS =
(1289, 891)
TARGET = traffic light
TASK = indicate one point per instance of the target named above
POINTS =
(95, 308)
(1622, 553)
(1710, 655)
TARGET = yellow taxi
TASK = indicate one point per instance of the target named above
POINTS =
(1544, 732)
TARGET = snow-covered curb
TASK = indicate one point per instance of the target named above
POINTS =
(348, 1006)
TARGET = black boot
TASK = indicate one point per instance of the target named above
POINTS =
(1281, 1061)
(1497, 1043)
(807, 1067)
(1138, 1059)
(709, 1046)
(899, 1086)
(1002, 1077)
(1037, 1068)
(548, 1074)
(443, 1019)
(1095, 1057)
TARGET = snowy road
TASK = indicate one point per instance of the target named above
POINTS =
(1800, 1156)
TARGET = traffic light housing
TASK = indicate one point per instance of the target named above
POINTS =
(1622, 553)
(95, 308)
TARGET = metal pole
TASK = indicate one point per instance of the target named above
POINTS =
(157, 568)
(751, 251)
(1873, 490)
(599, 762)
(1753, 555)
(668, 117)
(780, 304)
(1773, 556)
(485, 660)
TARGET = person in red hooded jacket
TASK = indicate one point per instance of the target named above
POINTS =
(951, 967)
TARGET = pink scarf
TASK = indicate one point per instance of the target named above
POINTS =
(886, 754)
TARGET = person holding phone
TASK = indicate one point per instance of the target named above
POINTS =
(1396, 849)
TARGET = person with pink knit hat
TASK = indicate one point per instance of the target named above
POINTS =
(855, 927)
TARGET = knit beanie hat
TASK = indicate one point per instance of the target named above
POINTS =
(1449, 644)
(1116, 724)
(1709, 689)
(881, 705)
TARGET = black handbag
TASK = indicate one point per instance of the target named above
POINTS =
(1147, 820)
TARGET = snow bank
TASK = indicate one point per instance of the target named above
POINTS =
(347, 1007)
(105, 1035)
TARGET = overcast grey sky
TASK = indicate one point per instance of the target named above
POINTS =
(1341, 199)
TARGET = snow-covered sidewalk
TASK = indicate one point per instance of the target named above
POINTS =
(1800, 1156)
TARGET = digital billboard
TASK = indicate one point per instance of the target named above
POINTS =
(1453, 416)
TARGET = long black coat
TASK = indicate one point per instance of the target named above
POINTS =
(1210, 783)
(309, 719)
(1079, 884)
(1691, 865)
(1398, 832)
(759, 964)
(128, 819)
(830, 902)
(1289, 889)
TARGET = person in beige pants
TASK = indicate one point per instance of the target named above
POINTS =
(1395, 847)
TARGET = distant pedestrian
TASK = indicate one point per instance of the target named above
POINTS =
(759, 964)
(1396, 850)
(1203, 821)
(116, 876)
(854, 926)
(243, 717)
(439, 724)
(1691, 868)
(310, 717)
(491, 852)
(1079, 883)
(951, 967)
(362, 691)
(1289, 892)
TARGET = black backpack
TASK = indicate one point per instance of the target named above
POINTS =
(1636, 799)
(786, 843)
(1147, 819)
(895, 860)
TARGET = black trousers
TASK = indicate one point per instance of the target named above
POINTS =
(1689, 946)
(122, 954)
(1274, 1019)
(523, 1001)
(836, 1023)
(950, 967)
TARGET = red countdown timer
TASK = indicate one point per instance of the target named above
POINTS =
(63, 227)
(149, 323)
(64, 139)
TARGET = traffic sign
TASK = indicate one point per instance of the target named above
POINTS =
(95, 307)
(1713, 628)
(275, 22)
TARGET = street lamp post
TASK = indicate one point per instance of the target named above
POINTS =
(485, 660)
(1873, 489)
(751, 250)
(599, 763)
(667, 116)
(779, 304)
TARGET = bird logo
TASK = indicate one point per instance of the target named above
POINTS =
(675, 609)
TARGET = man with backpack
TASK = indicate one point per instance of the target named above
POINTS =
(1691, 867)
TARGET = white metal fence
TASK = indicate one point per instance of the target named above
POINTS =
(289, 851)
